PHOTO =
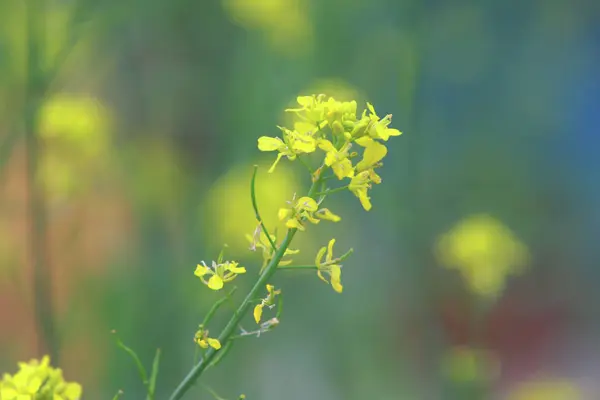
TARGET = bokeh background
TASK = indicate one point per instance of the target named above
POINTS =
(127, 137)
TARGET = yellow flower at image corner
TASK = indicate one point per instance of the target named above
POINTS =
(305, 208)
(484, 251)
(220, 273)
(38, 378)
(549, 389)
(228, 208)
(330, 267)
(203, 340)
(268, 301)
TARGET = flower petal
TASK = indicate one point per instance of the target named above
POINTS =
(214, 343)
(215, 282)
(258, 312)
(201, 270)
(266, 143)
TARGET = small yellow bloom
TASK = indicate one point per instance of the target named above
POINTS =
(305, 208)
(220, 273)
(372, 156)
(260, 241)
(337, 159)
(268, 301)
(293, 143)
(205, 341)
(330, 266)
(378, 128)
(359, 185)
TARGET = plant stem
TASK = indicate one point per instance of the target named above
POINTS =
(255, 207)
(225, 335)
(331, 191)
(35, 89)
(294, 267)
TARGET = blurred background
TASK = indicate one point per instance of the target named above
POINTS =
(128, 133)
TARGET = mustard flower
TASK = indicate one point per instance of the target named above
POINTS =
(40, 381)
(373, 126)
(268, 301)
(338, 160)
(259, 240)
(220, 273)
(329, 267)
(292, 144)
(203, 340)
(305, 208)
(359, 185)
(311, 110)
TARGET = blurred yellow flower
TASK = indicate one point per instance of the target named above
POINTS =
(285, 23)
(37, 379)
(75, 131)
(484, 251)
(550, 389)
(466, 364)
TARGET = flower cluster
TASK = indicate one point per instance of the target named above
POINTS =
(346, 129)
(324, 127)
(268, 301)
(38, 380)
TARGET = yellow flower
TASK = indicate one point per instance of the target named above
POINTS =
(359, 185)
(201, 337)
(268, 301)
(312, 109)
(305, 208)
(259, 240)
(373, 154)
(329, 267)
(337, 159)
(220, 273)
(484, 251)
(547, 389)
(293, 143)
(378, 128)
(38, 379)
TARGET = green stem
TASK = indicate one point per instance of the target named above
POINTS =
(229, 329)
(293, 267)
(305, 164)
(255, 207)
(331, 191)
(216, 306)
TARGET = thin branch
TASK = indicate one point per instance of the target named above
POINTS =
(255, 207)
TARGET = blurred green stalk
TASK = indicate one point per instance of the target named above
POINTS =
(36, 83)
